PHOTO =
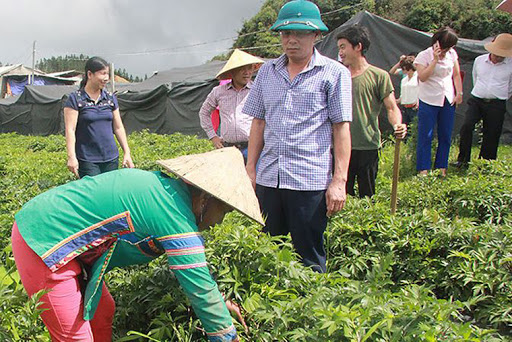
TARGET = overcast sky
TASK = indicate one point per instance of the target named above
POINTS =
(139, 36)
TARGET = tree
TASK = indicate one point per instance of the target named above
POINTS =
(60, 63)
(474, 19)
(76, 62)
(429, 15)
(481, 23)
(256, 36)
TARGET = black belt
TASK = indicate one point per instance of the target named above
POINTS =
(488, 100)
(239, 145)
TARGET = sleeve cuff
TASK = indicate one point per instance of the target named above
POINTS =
(225, 335)
(211, 134)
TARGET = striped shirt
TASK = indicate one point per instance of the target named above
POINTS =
(298, 118)
(234, 125)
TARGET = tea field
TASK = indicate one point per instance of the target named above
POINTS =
(438, 270)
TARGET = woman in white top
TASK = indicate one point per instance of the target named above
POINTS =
(438, 71)
(408, 92)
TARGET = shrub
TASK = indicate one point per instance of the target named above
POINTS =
(438, 270)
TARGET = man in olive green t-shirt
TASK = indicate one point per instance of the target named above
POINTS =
(371, 89)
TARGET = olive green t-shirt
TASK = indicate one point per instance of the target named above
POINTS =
(368, 93)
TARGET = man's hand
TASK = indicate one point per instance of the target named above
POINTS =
(217, 142)
(400, 131)
(335, 197)
(235, 310)
(251, 172)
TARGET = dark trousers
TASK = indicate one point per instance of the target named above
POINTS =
(300, 213)
(492, 113)
(409, 115)
(86, 168)
(363, 167)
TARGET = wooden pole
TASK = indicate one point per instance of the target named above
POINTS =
(396, 172)
(31, 80)
(112, 78)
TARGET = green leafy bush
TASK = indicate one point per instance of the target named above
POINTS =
(439, 270)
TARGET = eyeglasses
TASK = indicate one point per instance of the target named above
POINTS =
(296, 33)
(288, 22)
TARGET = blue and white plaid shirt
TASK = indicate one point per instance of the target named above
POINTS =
(298, 118)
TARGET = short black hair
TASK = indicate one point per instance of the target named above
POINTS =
(446, 37)
(356, 35)
(407, 65)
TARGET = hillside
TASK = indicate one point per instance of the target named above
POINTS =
(474, 19)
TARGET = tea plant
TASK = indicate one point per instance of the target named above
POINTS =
(439, 270)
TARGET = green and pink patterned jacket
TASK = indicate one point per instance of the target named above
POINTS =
(140, 215)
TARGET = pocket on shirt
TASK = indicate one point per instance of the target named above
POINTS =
(309, 103)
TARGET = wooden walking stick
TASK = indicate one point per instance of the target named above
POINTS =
(396, 172)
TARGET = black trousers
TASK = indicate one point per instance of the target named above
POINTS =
(363, 167)
(492, 113)
(303, 214)
(86, 168)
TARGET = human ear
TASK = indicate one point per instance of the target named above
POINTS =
(203, 200)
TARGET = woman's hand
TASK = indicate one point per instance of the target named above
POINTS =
(127, 161)
(457, 100)
(73, 166)
(437, 51)
(235, 310)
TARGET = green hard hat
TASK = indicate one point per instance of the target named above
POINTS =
(299, 15)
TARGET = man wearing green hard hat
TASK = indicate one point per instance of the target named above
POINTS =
(299, 15)
(302, 107)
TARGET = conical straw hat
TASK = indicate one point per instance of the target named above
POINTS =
(221, 173)
(238, 59)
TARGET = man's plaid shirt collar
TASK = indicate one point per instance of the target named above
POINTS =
(281, 62)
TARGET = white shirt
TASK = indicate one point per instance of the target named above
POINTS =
(440, 84)
(409, 89)
(492, 81)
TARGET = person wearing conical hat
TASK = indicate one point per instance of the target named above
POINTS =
(229, 98)
(302, 106)
(492, 87)
(122, 218)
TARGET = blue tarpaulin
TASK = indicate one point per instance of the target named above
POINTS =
(17, 86)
